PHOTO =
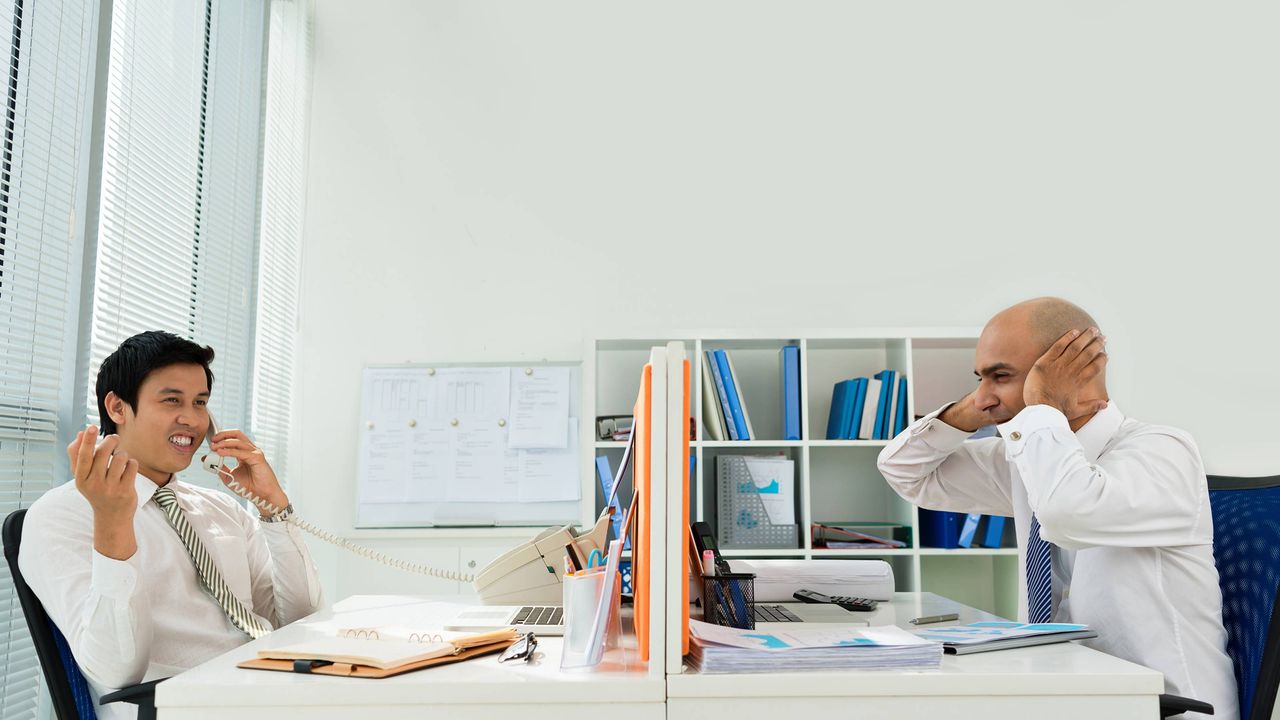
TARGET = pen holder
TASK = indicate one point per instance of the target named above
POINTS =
(729, 599)
(589, 628)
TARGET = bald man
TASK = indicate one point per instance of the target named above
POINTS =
(1112, 514)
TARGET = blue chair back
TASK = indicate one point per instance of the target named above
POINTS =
(1246, 546)
(68, 690)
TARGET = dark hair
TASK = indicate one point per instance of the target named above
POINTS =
(123, 371)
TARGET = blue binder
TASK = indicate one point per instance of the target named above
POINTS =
(859, 403)
(994, 535)
(731, 390)
(791, 392)
(880, 431)
(837, 419)
(970, 529)
(939, 529)
(729, 425)
(900, 423)
(606, 484)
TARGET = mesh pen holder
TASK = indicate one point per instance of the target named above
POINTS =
(729, 599)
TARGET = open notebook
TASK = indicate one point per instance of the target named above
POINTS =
(357, 656)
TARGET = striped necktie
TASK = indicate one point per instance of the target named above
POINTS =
(208, 572)
(1039, 576)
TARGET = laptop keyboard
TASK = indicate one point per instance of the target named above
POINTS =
(539, 615)
(775, 613)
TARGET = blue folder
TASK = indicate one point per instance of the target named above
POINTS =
(731, 390)
(970, 529)
(606, 484)
(994, 535)
(900, 423)
(791, 392)
(837, 420)
(724, 396)
(939, 529)
(859, 402)
(881, 429)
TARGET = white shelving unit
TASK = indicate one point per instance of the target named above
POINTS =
(837, 480)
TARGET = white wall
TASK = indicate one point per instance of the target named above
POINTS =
(498, 180)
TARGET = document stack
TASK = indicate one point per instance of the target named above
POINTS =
(715, 649)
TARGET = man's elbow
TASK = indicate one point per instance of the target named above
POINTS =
(114, 674)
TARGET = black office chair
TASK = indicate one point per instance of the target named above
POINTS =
(1246, 535)
(68, 689)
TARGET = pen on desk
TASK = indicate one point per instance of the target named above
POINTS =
(935, 619)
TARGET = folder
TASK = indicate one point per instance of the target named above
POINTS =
(870, 406)
(879, 429)
(746, 431)
(900, 422)
(994, 536)
(841, 410)
(791, 392)
(739, 422)
(939, 529)
(343, 657)
(859, 399)
(969, 529)
(719, 378)
(712, 419)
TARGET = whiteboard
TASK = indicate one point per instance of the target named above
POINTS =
(469, 445)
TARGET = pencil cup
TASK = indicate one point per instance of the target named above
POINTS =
(729, 599)
(589, 628)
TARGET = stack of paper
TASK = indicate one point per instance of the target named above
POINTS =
(776, 580)
(984, 636)
(715, 649)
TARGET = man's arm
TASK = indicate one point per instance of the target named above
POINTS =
(99, 603)
(1148, 491)
(930, 464)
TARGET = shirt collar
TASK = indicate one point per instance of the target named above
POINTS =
(146, 488)
(1096, 433)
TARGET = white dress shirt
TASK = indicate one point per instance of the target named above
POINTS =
(148, 617)
(1126, 506)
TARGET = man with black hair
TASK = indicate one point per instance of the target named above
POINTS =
(146, 575)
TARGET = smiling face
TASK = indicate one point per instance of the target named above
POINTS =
(168, 422)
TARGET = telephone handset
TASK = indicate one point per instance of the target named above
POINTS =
(213, 463)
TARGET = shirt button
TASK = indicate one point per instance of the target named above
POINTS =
(1015, 435)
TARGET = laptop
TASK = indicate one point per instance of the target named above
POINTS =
(538, 619)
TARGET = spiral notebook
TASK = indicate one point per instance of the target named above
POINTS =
(356, 657)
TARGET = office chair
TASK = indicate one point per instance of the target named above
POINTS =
(1246, 535)
(68, 689)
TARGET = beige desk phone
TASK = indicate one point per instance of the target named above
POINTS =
(530, 572)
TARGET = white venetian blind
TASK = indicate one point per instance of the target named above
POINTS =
(279, 256)
(45, 103)
(178, 238)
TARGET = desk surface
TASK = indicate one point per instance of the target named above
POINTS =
(482, 687)
(1063, 680)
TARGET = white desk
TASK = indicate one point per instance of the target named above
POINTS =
(1050, 682)
(620, 688)
(1042, 683)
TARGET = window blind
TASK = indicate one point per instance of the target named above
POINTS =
(47, 75)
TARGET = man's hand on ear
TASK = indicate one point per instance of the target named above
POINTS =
(1060, 377)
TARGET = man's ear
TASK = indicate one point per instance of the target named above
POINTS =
(115, 408)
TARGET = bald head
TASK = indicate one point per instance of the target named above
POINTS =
(1044, 320)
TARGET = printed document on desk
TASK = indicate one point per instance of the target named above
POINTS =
(716, 649)
(985, 636)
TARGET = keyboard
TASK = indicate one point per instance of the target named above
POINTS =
(775, 613)
(539, 615)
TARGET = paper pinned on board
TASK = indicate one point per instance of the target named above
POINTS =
(471, 394)
(551, 475)
(539, 411)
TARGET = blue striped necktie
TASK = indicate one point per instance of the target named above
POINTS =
(1039, 576)
(214, 584)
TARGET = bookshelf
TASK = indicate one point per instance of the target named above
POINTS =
(836, 480)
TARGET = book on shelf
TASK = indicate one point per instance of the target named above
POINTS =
(726, 414)
(746, 430)
(950, 530)
(969, 529)
(790, 392)
(841, 415)
(986, 636)
(712, 419)
(868, 408)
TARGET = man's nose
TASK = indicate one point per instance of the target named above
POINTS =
(986, 400)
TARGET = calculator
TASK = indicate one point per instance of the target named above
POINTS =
(854, 604)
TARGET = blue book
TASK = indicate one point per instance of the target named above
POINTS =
(731, 390)
(994, 536)
(606, 484)
(836, 422)
(724, 396)
(900, 423)
(859, 402)
(969, 530)
(791, 392)
(880, 430)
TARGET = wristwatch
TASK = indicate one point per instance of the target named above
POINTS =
(281, 516)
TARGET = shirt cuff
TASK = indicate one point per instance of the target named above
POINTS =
(114, 579)
(937, 434)
(1032, 419)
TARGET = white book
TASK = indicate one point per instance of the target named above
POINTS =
(712, 420)
(869, 408)
(742, 398)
